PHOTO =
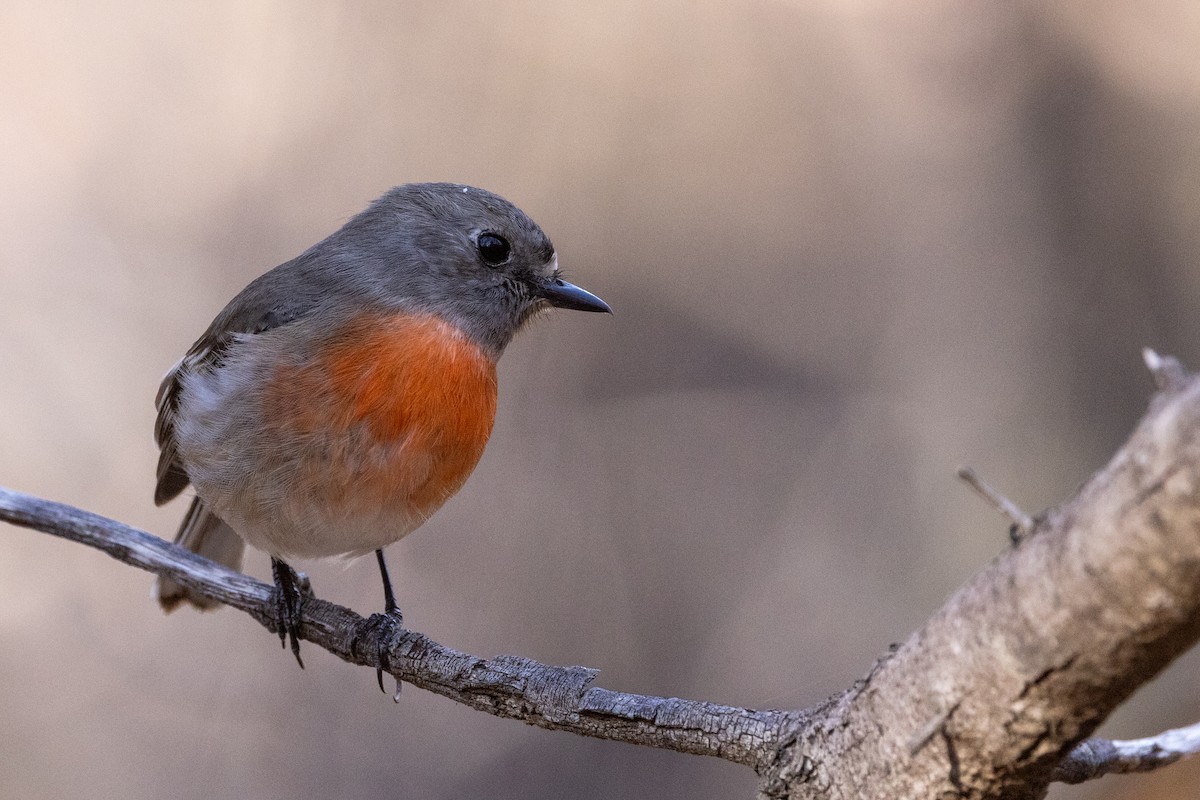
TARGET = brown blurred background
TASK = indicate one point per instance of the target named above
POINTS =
(851, 245)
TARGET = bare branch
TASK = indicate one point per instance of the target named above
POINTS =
(1095, 758)
(558, 698)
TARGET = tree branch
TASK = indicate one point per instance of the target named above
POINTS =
(1096, 758)
(992, 698)
(1030, 655)
(558, 698)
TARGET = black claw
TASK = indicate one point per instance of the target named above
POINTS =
(389, 622)
(379, 629)
(290, 591)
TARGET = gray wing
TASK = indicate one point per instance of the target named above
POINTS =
(172, 477)
(281, 296)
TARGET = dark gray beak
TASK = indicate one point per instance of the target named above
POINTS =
(561, 294)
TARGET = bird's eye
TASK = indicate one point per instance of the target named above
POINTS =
(493, 249)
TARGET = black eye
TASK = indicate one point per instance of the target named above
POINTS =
(494, 249)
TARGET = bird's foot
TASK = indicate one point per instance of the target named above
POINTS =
(291, 588)
(379, 630)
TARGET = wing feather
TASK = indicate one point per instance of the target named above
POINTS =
(274, 299)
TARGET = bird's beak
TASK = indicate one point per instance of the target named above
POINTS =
(561, 294)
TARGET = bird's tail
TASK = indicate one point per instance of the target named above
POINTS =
(206, 534)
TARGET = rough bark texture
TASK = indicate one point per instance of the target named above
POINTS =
(559, 698)
(987, 700)
(1033, 653)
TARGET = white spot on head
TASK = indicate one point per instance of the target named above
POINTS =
(466, 189)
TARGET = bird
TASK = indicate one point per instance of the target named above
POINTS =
(344, 396)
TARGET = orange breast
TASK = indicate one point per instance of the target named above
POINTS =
(396, 413)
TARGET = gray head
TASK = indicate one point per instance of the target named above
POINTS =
(461, 253)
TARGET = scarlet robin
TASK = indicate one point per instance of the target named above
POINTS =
(341, 398)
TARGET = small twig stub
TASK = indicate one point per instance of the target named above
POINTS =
(1168, 373)
(1022, 523)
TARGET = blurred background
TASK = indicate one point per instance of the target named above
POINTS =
(851, 246)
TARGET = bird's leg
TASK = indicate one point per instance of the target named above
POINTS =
(290, 589)
(389, 599)
(391, 617)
